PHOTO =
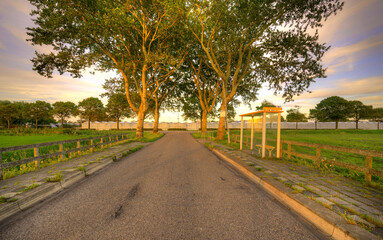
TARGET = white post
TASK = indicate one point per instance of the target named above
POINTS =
(241, 132)
(252, 132)
(279, 136)
(264, 135)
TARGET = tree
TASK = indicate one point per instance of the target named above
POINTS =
(9, 111)
(208, 88)
(118, 107)
(332, 109)
(38, 110)
(359, 111)
(135, 38)
(313, 115)
(294, 115)
(90, 108)
(243, 37)
(377, 115)
(265, 103)
(64, 110)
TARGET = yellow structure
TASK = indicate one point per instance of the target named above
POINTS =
(266, 111)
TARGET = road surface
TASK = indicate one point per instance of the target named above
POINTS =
(172, 189)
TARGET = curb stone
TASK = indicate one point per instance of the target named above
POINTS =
(323, 218)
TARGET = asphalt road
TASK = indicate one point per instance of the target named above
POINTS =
(172, 189)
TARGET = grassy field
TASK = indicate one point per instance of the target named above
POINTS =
(357, 139)
(17, 137)
(24, 137)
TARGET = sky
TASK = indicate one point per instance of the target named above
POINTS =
(354, 62)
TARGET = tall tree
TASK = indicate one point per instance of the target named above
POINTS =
(90, 108)
(38, 110)
(9, 111)
(131, 37)
(64, 110)
(118, 107)
(332, 109)
(243, 37)
(207, 87)
(359, 111)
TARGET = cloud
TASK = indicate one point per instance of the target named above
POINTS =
(343, 87)
(28, 85)
(356, 19)
(339, 58)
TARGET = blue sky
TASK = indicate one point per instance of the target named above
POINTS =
(354, 62)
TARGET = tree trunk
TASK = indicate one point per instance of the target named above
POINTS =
(62, 122)
(140, 123)
(221, 124)
(118, 123)
(316, 125)
(200, 121)
(204, 122)
(296, 125)
(156, 119)
(36, 122)
(9, 123)
(88, 123)
(357, 124)
(336, 124)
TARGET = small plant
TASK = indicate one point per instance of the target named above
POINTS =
(348, 219)
(114, 158)
(35, 185)
(4, 200)
(57, 178)
(82, 169)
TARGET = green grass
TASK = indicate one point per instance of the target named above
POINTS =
(358, 139)
(15, 138)
(9, 138)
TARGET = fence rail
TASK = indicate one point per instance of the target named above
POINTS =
(318, 157)
(37, 157)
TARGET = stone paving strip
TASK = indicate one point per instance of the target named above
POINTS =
(358, 204)
(22, 191)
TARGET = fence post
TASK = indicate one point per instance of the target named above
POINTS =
(91, 143)
(110, 140)
(61, 149)
(367, 175)
(102, 143)
(36, 154)
(127, 136)
(78, 146)
(318, 153)
(288, 150)
(1, 166)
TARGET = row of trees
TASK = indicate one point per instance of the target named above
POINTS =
(40, 111)
(334, 109)
(199, 52)
(338, 109)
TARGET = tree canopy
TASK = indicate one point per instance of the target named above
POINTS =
(38, 110)
(64, 110)
(332, 109)
(90, 108)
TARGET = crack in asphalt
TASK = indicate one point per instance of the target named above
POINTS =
(132, 193)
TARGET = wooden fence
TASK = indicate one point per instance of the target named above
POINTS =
(317, 158)
(37, 157)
